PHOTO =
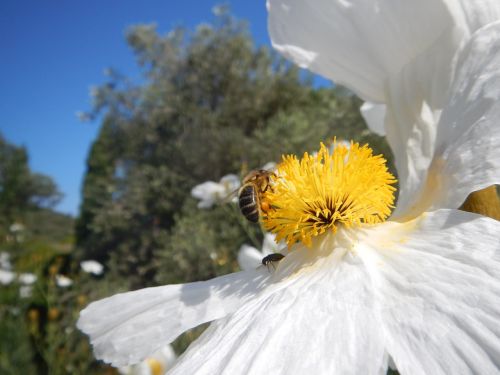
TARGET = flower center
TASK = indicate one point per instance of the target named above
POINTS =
(318, 193)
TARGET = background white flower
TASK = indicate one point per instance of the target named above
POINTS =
(6, 276)
(211, 192)
(156, 364)
(27, 278)
(5, 261)
(63, 281)
(92, 266)
(25, 291)
(16, 227)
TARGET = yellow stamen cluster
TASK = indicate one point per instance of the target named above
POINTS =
(321, 192)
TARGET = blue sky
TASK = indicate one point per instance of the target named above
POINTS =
(55, 50)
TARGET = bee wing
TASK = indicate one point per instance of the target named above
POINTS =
(231, 183)
(231, 197)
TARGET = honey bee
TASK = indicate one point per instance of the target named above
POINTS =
(253, 186)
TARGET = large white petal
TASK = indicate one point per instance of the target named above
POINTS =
(126, 328)
(462, 153)
(437, 281)
(318, 320)
(413, 148)
(468, 139)
(360, 44)
(472, 15)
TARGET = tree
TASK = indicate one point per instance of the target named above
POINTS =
(21, 190)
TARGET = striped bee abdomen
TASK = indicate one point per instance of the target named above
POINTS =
(249, 204)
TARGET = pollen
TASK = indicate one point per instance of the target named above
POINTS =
(344, 188)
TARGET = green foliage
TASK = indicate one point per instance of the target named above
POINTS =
(50, 226)
(20, 188)
(16, 352)
(204, 244)
(32, 235)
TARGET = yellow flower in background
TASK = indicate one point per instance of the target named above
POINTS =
(53, 313)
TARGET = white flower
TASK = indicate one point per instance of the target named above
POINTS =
(16, 227)
(156, 364)
(92, 266)
(25, 291)
(6, 276)
(249, 257)
(63, 281)
(5, 260)
(211, 192)
(413, 290)
(27, 278)
(423, 290)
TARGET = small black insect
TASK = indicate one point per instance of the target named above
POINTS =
(269, 259)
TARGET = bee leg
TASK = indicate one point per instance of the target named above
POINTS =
(268, 187)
